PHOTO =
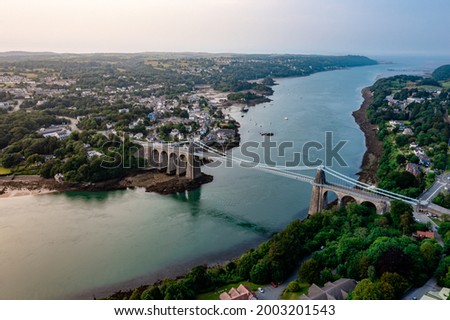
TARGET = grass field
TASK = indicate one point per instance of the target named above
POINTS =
(446, 84)
(4, 171)
(215, 294)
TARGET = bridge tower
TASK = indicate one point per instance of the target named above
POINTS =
(193, 169)
(317, 204)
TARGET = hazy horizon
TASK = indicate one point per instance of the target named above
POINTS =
(326, 27)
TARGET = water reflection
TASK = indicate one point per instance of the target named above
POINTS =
(93, 196)
(192, 200)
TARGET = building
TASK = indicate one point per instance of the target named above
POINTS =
(408, 132)
(414, 169)
(424, 235)
(337, 290)
(241, 293)
(59, 132)
(435, 295)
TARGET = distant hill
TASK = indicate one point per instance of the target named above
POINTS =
(442, 73)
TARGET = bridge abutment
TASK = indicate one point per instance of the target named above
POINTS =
(344, 196)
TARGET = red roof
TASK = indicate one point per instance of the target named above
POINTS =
(426, 234)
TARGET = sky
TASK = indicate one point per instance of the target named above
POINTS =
(371, 27)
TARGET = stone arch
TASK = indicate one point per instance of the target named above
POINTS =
(163, 159)
(182, 165)
(154, 160)
(346, 200)
(330, 198)
(371, 206)
(172, 164)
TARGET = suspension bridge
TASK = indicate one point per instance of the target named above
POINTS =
(328, 186)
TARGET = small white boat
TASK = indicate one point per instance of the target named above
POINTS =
(285, 118)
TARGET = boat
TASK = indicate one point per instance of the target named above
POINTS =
(285, 118)
(266, 134)
(244, 109)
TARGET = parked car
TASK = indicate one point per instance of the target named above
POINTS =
(273, 284)
(261, 290)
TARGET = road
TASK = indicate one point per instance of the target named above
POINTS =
(442, 183)
(271, 293)
(417, 293)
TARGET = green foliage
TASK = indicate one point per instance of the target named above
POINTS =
(260, 273)
(398, 283)
(293, 287)
(152, 293)
(443, 200)
(353, 242)
(366, 290)
(309, 271)
(442, 73)
(442, 273)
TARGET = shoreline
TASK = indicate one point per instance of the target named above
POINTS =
(367, 174)
(151, 181)
(170, 185)
(374, 147)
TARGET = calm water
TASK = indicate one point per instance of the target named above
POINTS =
(79, 244)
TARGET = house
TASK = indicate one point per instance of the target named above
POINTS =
(434, 295)
(92, 153)
(241, 293)
(337, 290)
(414, 169)
(415, 145)
(174, 133)
(59, 132)
(424, 235)
(408, 132)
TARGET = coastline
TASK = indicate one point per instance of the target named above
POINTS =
(164, 186)
(151, 181)
(374, 147)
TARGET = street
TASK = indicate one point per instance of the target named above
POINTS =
(442, 183)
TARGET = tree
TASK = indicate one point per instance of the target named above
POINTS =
(152, 293)
(397, 282)
(398, 208)
(442, 272)
(348, 247)
(406, 222)
(245, 264)
(393, 260)
(309, 271)
(198, 279)
(293, 287)
(431, 252)
(260, 273)
(35, 158)
(10, 160)
(401, 159)
(366, 290)
(178, 290)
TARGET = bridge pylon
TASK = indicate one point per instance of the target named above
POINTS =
(317, 204)
(193, 170)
